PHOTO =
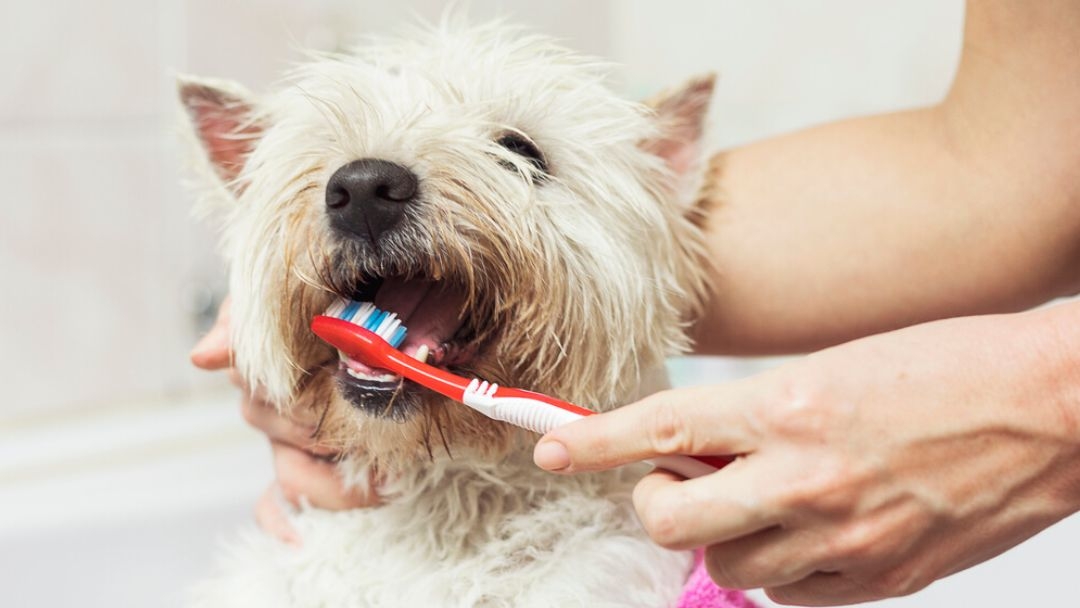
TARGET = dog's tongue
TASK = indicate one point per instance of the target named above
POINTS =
(431, 312)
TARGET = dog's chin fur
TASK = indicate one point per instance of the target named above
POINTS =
(579, 283)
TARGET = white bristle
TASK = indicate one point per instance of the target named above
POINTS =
(389, 328)
(387, 321)
(362, 314)
(336, 308)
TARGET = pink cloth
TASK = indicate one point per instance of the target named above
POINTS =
(701, 592)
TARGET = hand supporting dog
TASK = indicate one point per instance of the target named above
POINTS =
(304, 469)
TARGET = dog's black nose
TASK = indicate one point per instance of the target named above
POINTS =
(367, 197)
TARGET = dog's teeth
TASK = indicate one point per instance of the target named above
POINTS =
(370, 378)
(421, 353)
(342, 356)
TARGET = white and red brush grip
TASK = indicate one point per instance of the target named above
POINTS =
(540, 413)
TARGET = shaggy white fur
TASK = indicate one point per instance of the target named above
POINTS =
(582, 278)
(460, 533)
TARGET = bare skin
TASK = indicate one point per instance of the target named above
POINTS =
(969, 207)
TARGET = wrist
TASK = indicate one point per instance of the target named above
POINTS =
(1053, 335)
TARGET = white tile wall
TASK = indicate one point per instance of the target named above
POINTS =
(99, 263)
(95, 239)
(95, 244)
(786, 64)
(93, 216)
(69, 62)
(82, 250)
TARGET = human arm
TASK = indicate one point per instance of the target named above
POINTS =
(875, 467)
(869, 469)
(971, 206)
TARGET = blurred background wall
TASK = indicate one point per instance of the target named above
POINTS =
(120, 467)
(107, 280)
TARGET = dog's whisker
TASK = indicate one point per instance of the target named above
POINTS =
(322, 420)
(393, 397)
(442, 433)
(427, 438)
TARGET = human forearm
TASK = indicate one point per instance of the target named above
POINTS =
(866, 225)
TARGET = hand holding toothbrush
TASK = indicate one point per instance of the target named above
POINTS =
(870, 469)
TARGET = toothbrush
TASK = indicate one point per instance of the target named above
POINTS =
(370, 335)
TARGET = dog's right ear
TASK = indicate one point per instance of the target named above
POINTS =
(224, 119)
(680, 114)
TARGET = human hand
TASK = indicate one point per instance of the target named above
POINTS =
(868, 470)
(304, 469)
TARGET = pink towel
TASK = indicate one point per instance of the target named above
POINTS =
(701, 592)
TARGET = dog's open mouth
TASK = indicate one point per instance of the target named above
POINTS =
(440, 333)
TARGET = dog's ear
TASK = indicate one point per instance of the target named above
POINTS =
(681, 113)
(224, 118)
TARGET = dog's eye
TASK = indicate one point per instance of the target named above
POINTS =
(523, 147)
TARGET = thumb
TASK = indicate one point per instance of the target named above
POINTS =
(696, 421)
(214, 351)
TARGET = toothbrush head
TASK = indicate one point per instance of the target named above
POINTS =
(382, 323)
(367, 336)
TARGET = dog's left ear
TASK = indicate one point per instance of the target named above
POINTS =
(680, 114)
(225, 121)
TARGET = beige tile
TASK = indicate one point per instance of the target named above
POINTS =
(66, 61)
(93, 267)
(787, 64)
(252, 41)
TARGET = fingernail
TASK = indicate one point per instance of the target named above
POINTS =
(551, 455)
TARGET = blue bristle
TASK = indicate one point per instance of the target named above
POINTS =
(399, 337)
(377, 319)
(372, 320)
(350, 310)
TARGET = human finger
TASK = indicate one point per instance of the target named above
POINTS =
(822, 589)
(728, 504)
(770, 558)
(297, 427)
(303, 476)
(213, 351)
(271, 517)
(237, 380)
(705, 420)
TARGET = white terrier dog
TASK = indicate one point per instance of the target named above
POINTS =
(532, 229)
